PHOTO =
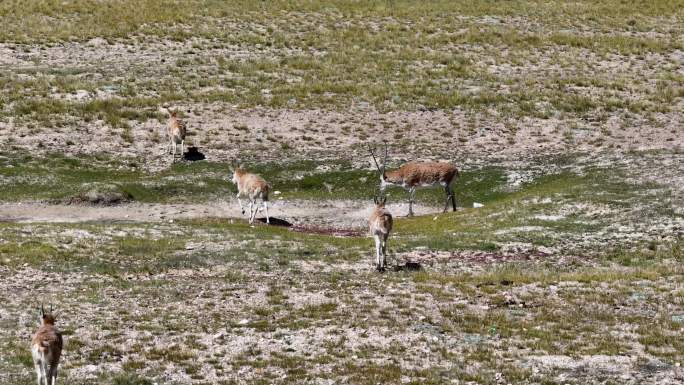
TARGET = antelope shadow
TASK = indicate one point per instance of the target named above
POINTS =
(193, 154)
(275, 222)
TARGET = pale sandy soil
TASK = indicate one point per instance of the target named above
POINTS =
(335, 214)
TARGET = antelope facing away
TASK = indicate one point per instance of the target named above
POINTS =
(252, 187)
(380, 225)
(46, 348)
(413, 175)
(175, 131)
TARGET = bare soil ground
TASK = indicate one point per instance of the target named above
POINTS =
(337, 214)
(548, 283)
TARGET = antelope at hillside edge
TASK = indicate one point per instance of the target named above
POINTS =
(175, 132)
(413, 175)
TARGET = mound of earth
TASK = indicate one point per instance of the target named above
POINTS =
(101, 194)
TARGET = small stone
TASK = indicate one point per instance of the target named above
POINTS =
(97, 41)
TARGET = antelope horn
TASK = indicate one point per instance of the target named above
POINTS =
(42, 310)
(370, 149)
(384, 161)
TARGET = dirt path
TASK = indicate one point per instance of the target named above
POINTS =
(336, 214)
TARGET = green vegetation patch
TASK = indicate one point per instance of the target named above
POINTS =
(396, 55)
(105, 180)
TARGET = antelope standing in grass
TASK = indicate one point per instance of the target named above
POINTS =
(252, 187)
(46, 348)
(413, 175)
(380, 225)
(175, 132)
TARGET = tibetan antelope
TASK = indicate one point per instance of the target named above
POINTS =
(412, 175)
(252, 187)
(175, 132)
(46, 348)
(380, 225)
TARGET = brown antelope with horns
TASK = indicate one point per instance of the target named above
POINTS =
(252, 187)
(46, 348)
(413, 175)
(380, 225)
(175, 132)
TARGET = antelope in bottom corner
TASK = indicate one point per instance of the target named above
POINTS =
(46, 348)
(253, 187)
(412, 175)
(380, 226)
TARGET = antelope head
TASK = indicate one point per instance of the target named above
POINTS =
(380, 200)
(46, 317)
(381, 170)
(235, 170)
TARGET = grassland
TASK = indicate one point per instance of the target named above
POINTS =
(56, 178)
(547, 277)
(563, 118)
(497, 63)
(310, 307)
